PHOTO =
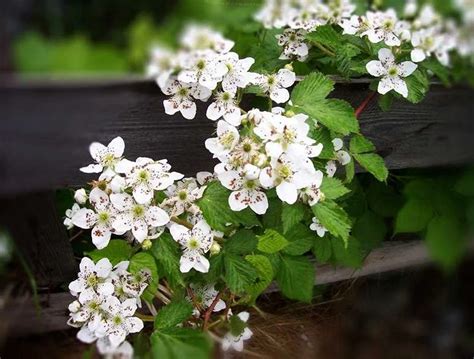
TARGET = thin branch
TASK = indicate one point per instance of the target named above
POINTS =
(209, 310)
(364, 103)
(324, 49)
(182, 222)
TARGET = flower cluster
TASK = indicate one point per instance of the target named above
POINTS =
(107, 298)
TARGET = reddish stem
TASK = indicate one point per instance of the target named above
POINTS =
(209, 310)
(364, 104)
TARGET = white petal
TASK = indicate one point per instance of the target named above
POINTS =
(117, 336)
(121, 201)
(117, 146)
(286, 78)
(100, 236)
(259, 202)
(202, 264)
(280, 95)
(400, 86)
(214, 112)
(244, 316)
(287, 192)
(231, 180)
(156, 217)
(103, 268)
(273, 149)
(179, 232)
(343, 157)
(187, 76)
(124, 166)
(406, 68)
(238, 200)
(188, 109)
(85, 335)
(134, 324)
(84, 218)
(267, 178)
(143, 194)
(97, 151)
(186, 262)
(417, 55)
(385, 85)
(219, 306)
(375, 68)
(171, 107)
(93, 168)
(123, 222)
(140, 230)
(386, 57)
(129, 306)
(77, 286)
(99, 199)
(233, 116)
(87, 265)
(105, 288)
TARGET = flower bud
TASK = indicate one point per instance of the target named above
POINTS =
(289, 67)
(215, 248)
(289, 113)
(146, 244)
(80, 196)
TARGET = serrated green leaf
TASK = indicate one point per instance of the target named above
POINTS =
(374, 164)
(178, 343)
(322, 249)
(271, 242)
(237, 325)
(414, 216)
(440, 71)
(216, 211)
(333, 188)
(239, 274)
(313, 88)
(418, 85)
(385, 102)
(295, 278)
(446, 241)
(301, 240)
(173, 314)
(265, 274)
(242, 242)
(167, 254)
(117, 251)
(360, 144)
(334, 218)
(291, 214)
(347, 254)
(337, 115)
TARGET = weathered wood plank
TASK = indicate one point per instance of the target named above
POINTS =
(390, 257)
(34, 223)
(45, 129)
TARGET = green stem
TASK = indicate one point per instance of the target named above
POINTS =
(324, 49)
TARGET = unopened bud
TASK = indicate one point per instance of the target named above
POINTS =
(215, 248)
(289, 67)
(146, 245)
(322, 197)
(289, 113)
(80, 196)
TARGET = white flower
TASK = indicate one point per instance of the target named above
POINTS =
(392, 74)
(340, 10)
(205, 177)
(87, 312)
(312, 194)
(318, 227)
(236, 342)
(136, 217)
(199, 37)
(69, 214)
(224, 106)
(307, 18)
(120, 320)
(105, 157)
(246, 151)
(294, 44)
(227, 138)
(273, 13)
(238, 75)
(123, 351)
(101, 220)
(182, 97)
(425, 42)
(145, 175)
(275, 85)
(385, 26)
(204, 296)
(427, 17)
(182, 196)
(342, 156)
(195, 242)
(161, 65)
(202, 67)
(331, 168)
(287, 176)
(80, 196)
(92, 279)
(410, 9)
(128, 285)
(246, 189)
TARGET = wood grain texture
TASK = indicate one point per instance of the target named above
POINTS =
(34, 223)
(45, 129)
(390, 257)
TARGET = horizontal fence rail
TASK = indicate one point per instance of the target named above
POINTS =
(46, 127)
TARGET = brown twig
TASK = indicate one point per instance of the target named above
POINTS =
(209, 310)
(364, 104)
(76, 235)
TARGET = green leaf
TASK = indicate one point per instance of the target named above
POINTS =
(145, 261)
(370, 230)
(360, 144)
(314, 87)
(237, 325)
(337, 115)
(295, 278)
(374, 164)
(178, 343)
(301, 240)
(334, 218)
(242, 242)
(239, 273)
(418, 85)
(291, 214)
(117, 251)
(322, 249)
(173, 314)
(414, 216)
(167, 254)
(347, 254)
(385, 102)
(440, 71)
(271, 242)
(333, 188)
(265, 274)
(445, 241)
(383, 199)
(216, 211)
(272, 217)
(465, 184)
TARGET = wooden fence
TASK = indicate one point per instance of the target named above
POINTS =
(46, 127)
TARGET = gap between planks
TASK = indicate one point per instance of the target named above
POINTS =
(18, 317)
